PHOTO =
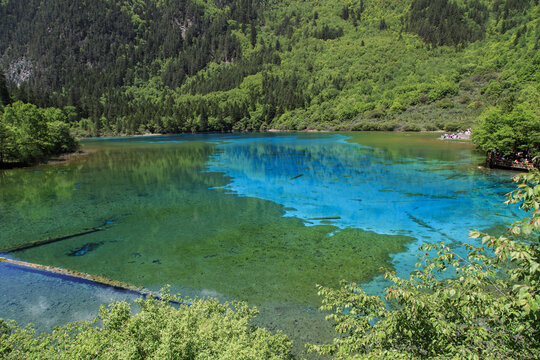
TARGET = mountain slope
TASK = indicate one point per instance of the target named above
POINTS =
(192, 65)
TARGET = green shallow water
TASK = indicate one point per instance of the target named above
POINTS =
(165, 223)
(227, 216)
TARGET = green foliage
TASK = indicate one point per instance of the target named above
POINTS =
(29, 134)
(4, 93)
(194, 329)
(326, 32)
(242, 65)
(488, 309)
(509, 133)
(411, 127)
(444, 22)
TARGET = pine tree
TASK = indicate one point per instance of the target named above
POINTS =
(253, 35)
(4, 93)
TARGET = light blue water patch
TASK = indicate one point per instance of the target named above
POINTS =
(48, 300)
(329, 180)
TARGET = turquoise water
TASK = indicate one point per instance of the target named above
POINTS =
(258, 217)
(361, 186)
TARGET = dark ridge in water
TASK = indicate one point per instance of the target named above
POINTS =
(85, 249)
(37, 243)
(427, 226)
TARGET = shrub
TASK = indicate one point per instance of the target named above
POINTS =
(376, 113)
(508, 133)
(412, 127)
(196, 329)
(29, 134)
(492, 89)
(452, 126)
(465, 99)
(445, 104)
(466, 85)
(442, 90)
(475, 104)
(397, 107)
(423, 99)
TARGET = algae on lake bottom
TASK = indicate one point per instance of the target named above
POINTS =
(229, 215)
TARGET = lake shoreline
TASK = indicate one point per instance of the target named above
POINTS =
(273, 131)
(70, 157)
(54, 160)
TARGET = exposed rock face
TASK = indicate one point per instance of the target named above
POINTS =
(20, 71)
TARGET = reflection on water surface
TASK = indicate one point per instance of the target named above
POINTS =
(261, 218)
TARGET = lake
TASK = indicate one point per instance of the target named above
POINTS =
(255, 217)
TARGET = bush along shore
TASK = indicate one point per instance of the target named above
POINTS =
(29, 134)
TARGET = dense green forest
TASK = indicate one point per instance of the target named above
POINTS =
(29, 134)
(163, 66)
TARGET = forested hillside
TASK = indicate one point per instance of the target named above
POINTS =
(136, 66)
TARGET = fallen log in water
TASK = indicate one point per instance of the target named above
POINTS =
(326, 218)
(79, 275)
(31, 244)
(97, 279)
(296, 177)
